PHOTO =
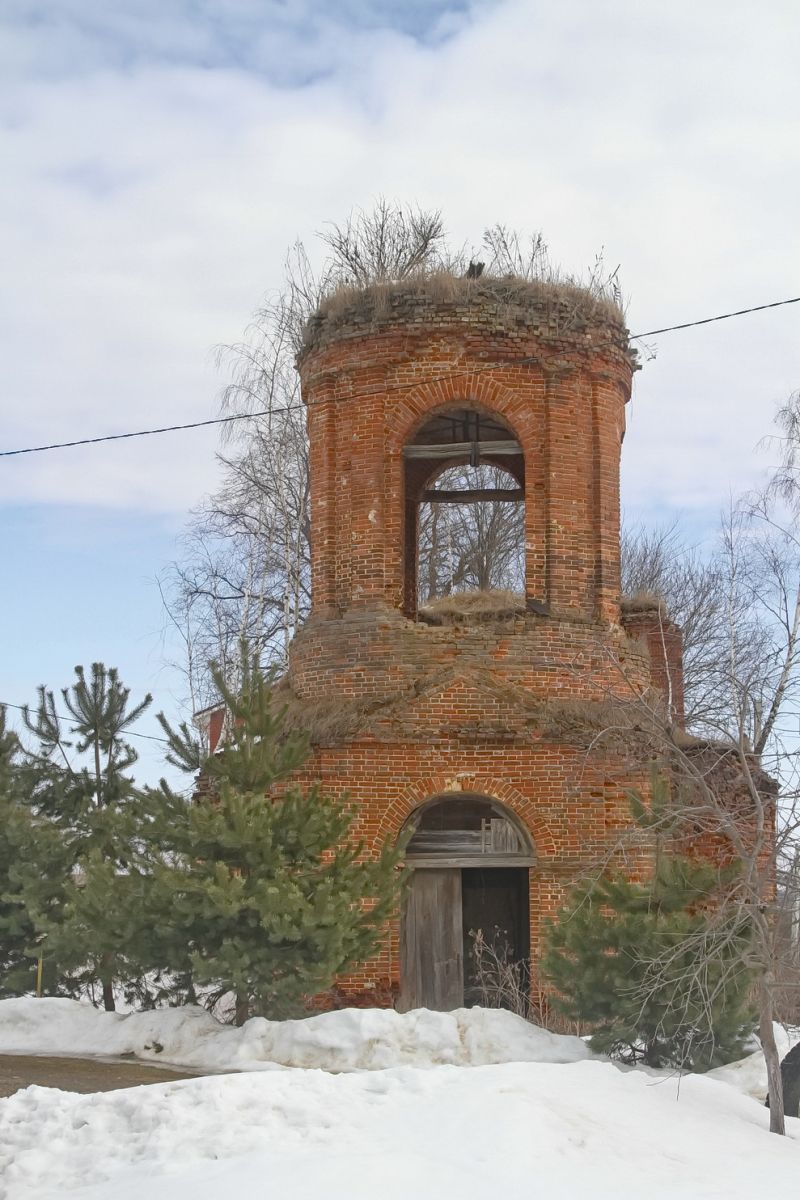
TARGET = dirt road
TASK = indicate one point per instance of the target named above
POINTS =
(78, 1074)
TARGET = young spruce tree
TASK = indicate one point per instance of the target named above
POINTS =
(34, 870)
(655, 968)
(79, 789)
(262, 892)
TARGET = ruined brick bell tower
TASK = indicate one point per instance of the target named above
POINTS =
(468, 728)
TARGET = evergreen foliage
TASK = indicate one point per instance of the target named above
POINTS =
(72, 816)
(657, 969)
(67, 789)
(259, 892)
(253, 887)
(34, 866)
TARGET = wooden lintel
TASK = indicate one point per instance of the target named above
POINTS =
(484, 860)
(468, 495)
(458, 449)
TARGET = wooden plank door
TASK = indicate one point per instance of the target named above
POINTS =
(432, 942)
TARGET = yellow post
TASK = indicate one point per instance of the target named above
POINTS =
(39, 964)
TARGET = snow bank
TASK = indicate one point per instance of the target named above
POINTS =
(749, 1075)
(348, 1040)
(520, 1131)
(543, 1120)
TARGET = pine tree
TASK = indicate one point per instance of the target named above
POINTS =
(78, 786)
(654, 968)
(263, 893)
(34, 868)
(103, 942)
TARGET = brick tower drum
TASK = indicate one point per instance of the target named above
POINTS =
(467, 728)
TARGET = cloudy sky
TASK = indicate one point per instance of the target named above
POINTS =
(159, 155)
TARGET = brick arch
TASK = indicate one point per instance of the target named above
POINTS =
(428, 399)
(430, 472)
(423, 790)
(525, 420)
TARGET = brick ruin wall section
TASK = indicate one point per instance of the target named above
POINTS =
(371, 383)
(384, 655)
(461, 724)
(575, 808)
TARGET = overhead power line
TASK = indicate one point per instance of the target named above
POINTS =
(116, 437)
(150, 737)
(740, 312)
(137, 433)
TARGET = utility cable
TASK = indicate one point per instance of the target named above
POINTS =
(150, 737)
(137, 433)
(740, 312)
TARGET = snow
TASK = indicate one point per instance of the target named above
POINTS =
(542, 1119)
(516, 1130)
(348, 1040)
(749, 1075)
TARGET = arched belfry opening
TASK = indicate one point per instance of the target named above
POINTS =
(464, 486)
(470, 860)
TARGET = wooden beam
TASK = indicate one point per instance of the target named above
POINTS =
(423, 863)
(457, 449)
(468, 495)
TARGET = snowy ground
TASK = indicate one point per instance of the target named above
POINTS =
(563, 1128)
(749, 1075)
(350, 1040)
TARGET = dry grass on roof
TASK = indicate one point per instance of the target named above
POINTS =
(472, 607)
(567, 300)
(644, 601)
(612, 721)
(622, 726)
(327, 720)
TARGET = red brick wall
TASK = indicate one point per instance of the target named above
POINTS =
(460, 708)
(664, 642)
(573, 808)
(369, 386)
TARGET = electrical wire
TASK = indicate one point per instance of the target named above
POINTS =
(150, 737)
(740, 312)
(137, 433)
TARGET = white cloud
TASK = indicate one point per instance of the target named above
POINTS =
(147, 206)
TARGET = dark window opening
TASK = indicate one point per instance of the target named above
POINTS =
(496, 937)
(471, 545)
(465, 514)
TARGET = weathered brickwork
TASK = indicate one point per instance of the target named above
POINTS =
(378, 653)
(664, 642)
(470, 708)
(369, 386)
(572, 806)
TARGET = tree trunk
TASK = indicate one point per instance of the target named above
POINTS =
(242, 1009)
(774, 1081)
(108, 996)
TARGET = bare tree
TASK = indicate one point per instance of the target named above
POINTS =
(736, 786)
(726, 807)
(785, 483)
(711, 597)
(245, 567)
(474, 546)
(385, 244)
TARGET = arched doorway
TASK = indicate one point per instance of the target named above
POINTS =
(470, 860)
